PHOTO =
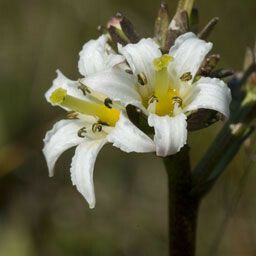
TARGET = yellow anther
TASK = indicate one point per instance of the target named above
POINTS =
(96, 127)
(82, 132)
(72, 115)
(142, 79)
(58, 96)
(186, 77)
(162, 62)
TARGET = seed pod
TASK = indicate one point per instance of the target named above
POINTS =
(117, 36)
(209, 64)
(128, 29)
(203, 118)
(178, 26)
(206, 31)
(139, 119)
(221, 73)
(162, 24)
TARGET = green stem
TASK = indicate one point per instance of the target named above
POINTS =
(222, 151)
(227, 144)
(183, 207)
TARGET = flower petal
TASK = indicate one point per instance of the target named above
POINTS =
(63, 82)
(210, 93)
(115, 84)
(189, 52)
(129, 138)
(140, 57)
(170, 133)
(97, 56)
(82, 167)
(61, 137)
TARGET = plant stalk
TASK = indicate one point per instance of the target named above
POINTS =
(183, 208)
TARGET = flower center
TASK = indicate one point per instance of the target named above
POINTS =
(105, 114)
(166, 96)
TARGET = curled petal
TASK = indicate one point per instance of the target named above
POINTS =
(189, 52)
(129, 138)
(170, 133)
(96, 56)
(82, 167)
(61, 137)
(140, 57)
(210, 93)
(63, 82)
(115, 84)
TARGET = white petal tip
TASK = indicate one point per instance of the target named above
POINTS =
(51, 175)
(92, 206)
(170, 133)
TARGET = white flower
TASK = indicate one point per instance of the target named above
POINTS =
(167, 88)
(95, 119)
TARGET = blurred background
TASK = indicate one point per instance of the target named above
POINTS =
(43, 216)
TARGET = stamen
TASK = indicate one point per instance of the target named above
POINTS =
(129, 71)
(83, 87)
(96, 127)
(105, 114)
(142, 79)
(81, 133)
(152, 99)
(186, 77)
(108, 102)
(92, 95)
(100, 98)
(177, 100)
(72, 115)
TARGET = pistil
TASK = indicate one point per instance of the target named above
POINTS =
(163, 91)
(106, 115)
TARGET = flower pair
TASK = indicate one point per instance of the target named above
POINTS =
(164, 87)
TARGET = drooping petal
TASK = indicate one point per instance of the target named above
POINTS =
(115, 84)
(96, 56)
(210, 93)
(61, 137)
(129, 138)
(82, 167)
(189, 52)
(140, 57)
(170, 133)
(63, 82)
